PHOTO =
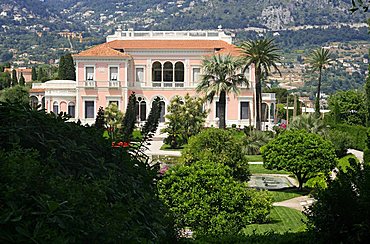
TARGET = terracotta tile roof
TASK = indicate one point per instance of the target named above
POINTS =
(37, 90)
(102, 50)
(110, 49)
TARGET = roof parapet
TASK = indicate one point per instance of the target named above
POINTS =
(130, 34)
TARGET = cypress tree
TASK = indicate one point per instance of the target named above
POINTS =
(62, 69)
(40, 74)
(129, 120)
(70, 72)
(34, 74)
(14, 78)
(22, 81)
(99, 120)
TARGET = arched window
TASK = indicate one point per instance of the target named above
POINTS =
(179, 72)
(55, 107)
(168, 71)
(157, 71)
(34, 102)
(71, 109)
(264, 112)
(140, 109)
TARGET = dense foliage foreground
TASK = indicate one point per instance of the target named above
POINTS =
(63, 182)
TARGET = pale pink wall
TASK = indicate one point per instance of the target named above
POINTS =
(63, 106)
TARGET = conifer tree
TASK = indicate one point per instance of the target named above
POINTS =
(66, 68)
(129, 120)
(14, 78)
(62, 69)
(70, 72)
(40, 74)
(34, 74)
(99, 121)
(22, 81)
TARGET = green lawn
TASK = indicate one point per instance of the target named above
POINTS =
(282, 195)
(259, 169)
(168, 148)
(343, 162)
(282, 220)
(254, 158)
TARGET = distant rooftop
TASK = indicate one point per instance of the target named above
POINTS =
(130, 34)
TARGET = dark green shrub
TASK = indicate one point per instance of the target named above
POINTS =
(219, 146)
(61, 182)
(206, 198)
(356, 133)
(341, 142)
(342, 211)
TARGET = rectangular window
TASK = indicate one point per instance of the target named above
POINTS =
(244, 110)
(89, 73)
(139, 74)
(71, 110)
(196, 75)
(89, 110)
(113, 73)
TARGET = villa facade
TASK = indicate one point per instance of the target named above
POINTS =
(151, 64)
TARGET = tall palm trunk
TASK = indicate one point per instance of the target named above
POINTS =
(222, 111)
(258, 98)
(317, 102)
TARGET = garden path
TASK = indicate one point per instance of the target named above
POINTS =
(299, 203)
(357, 153)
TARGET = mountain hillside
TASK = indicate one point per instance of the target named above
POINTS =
(205, 14)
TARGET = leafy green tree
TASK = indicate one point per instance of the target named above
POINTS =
(220, 77)
(34, 74)
(113, 119)
(99, 120)
(219, 146)
(15, 94)
(300, 152)
(319, 59)
(14, 78)
(204, 197)
(262, 55)
(341, 213)
(87, 192)
(5, 80)
(22, 81)
(185, 118)
(349, 107)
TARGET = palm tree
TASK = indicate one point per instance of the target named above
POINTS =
(308, 122)
(263, 54)
(220, 77)
(319, 59)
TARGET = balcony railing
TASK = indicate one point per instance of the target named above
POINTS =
(113, 84)
(90, 83)
(168, 84)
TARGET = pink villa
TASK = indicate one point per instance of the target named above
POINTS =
(151, 64)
